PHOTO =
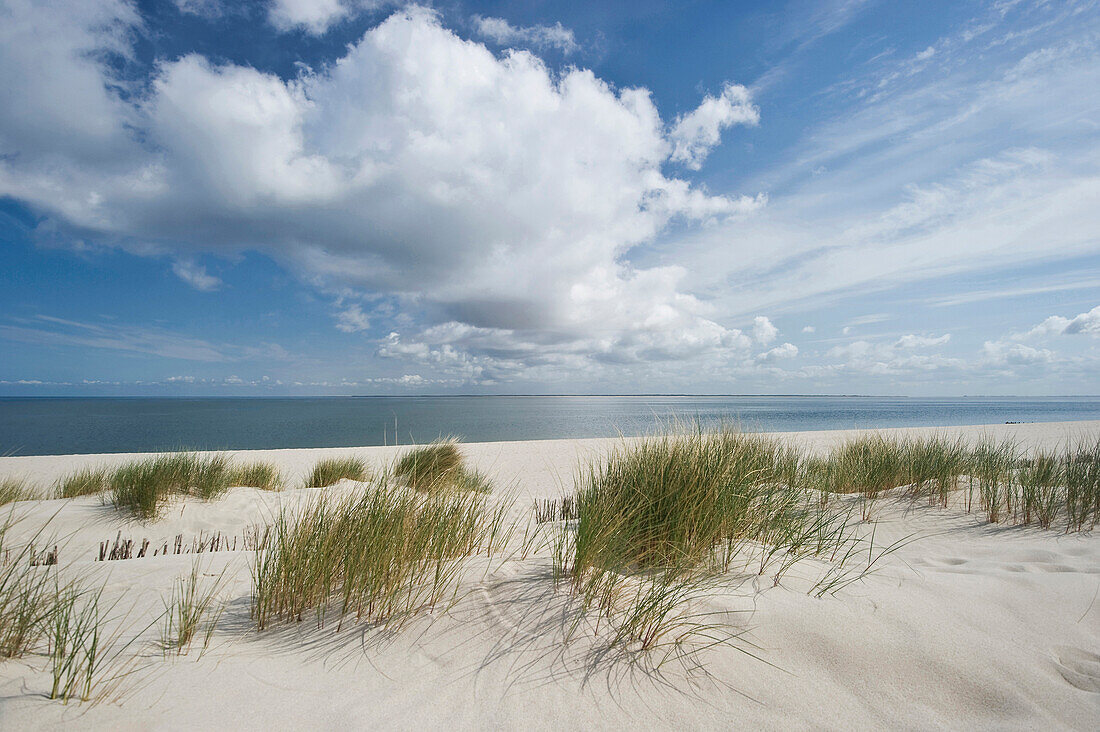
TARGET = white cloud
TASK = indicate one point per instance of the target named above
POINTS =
(808, 329)
(1087, 323)
(57, 102)
(695, 134)
(503, 33)
(916, 341)
(488, 192)
(896, 357)
(195, 275)
(202, 8)
(1015, 354)
(352, 319)
(1054, 325)
(787, 350)
(312, 16)
(763, 330)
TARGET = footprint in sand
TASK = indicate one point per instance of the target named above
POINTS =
(1079, 667)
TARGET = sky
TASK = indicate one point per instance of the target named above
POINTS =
(297, 197)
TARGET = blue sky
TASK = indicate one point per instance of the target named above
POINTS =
(347, 197)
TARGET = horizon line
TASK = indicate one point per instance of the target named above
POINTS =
(534, 395)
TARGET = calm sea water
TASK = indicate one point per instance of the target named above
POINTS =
(60, 426)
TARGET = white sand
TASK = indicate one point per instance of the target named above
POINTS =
(970, 625)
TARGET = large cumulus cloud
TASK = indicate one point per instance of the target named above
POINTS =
(493, 196)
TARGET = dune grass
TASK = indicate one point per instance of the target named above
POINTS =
(470, 480)
(661, 502)
(865, 465)
(991, 466)
(189, 611)
(429, 467)
(1039, 480)
(27, 594)
(935, 465)
(439, 466)
(258, 474)
(146, 482)
(75, 644)
(659, 518)
(87, 662)
(1045, 487)
(64, 620)
(377, 555)
(141, 487)
(83, 482)
(330, 471)
(1082, 482)
(868, 465)
(14, 489)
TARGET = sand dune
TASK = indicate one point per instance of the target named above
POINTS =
(969, 624)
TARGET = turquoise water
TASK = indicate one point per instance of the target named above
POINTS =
(52, 426)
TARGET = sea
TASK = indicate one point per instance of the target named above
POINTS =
(58, 426)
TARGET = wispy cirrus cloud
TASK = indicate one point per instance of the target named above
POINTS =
(503, 33)
(47, 330)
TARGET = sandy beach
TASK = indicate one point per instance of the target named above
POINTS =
(966, 625)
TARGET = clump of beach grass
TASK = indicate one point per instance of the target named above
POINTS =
(141, 487)
(991, 464)
(1082, 483)
(660, 517)
(330, 471)
(83, 482)
(935, 465)
(1040, 480)
(437, 466)
(258, 474)
(41, 612)
(13, 489)
(75, 643)
(377, 555)
(191, 610)
(86, 662)
(26, 594)
(429, 467)
(866, 465)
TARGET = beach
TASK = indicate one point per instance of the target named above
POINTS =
(965, 624)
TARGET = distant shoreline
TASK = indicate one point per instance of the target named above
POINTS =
(546, 396)
(60, 425)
